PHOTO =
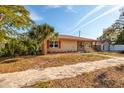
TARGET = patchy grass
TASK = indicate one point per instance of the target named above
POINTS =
(53, 60)
(109, 78)
(116, 54)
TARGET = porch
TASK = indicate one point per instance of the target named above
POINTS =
(88, 46)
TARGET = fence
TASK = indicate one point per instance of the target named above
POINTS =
(116, 47)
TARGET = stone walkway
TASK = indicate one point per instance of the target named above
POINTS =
(28, 77)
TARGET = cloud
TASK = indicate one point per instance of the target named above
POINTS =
(53, 6)
(98, 17)
(68, 8)
(71, 9)
(98, 8)
(35, 16)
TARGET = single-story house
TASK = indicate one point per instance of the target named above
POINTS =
(67, 43)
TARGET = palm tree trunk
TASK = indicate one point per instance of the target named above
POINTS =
(44, 48)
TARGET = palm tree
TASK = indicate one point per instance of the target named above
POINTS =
(42, 33)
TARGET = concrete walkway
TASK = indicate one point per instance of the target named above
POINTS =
(28, 77)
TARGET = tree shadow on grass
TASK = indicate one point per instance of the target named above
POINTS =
(9, 61)
(120, 68)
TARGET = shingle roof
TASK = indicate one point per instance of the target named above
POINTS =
(75, 38)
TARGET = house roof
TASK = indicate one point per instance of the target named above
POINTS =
(76, 38)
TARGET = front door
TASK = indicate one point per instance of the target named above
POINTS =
(80, 46)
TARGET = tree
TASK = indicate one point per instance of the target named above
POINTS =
(27, 46)
(115, 29)
(120, 39)
(21, 45)
(10, 47)
(41, 33)
(13, 18)
(107, 33)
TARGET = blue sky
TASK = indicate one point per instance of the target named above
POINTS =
(89, 19)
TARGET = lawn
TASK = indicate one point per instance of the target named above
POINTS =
(108, 78)
(51, 60)
(116, 54)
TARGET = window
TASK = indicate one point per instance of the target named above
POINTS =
(53, 44)
(87, 44)
(56, 43)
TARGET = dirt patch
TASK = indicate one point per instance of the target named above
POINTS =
(120, 68)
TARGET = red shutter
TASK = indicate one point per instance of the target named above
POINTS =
(59, 43)
(47, 43)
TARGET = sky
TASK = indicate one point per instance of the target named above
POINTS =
(69, 20)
